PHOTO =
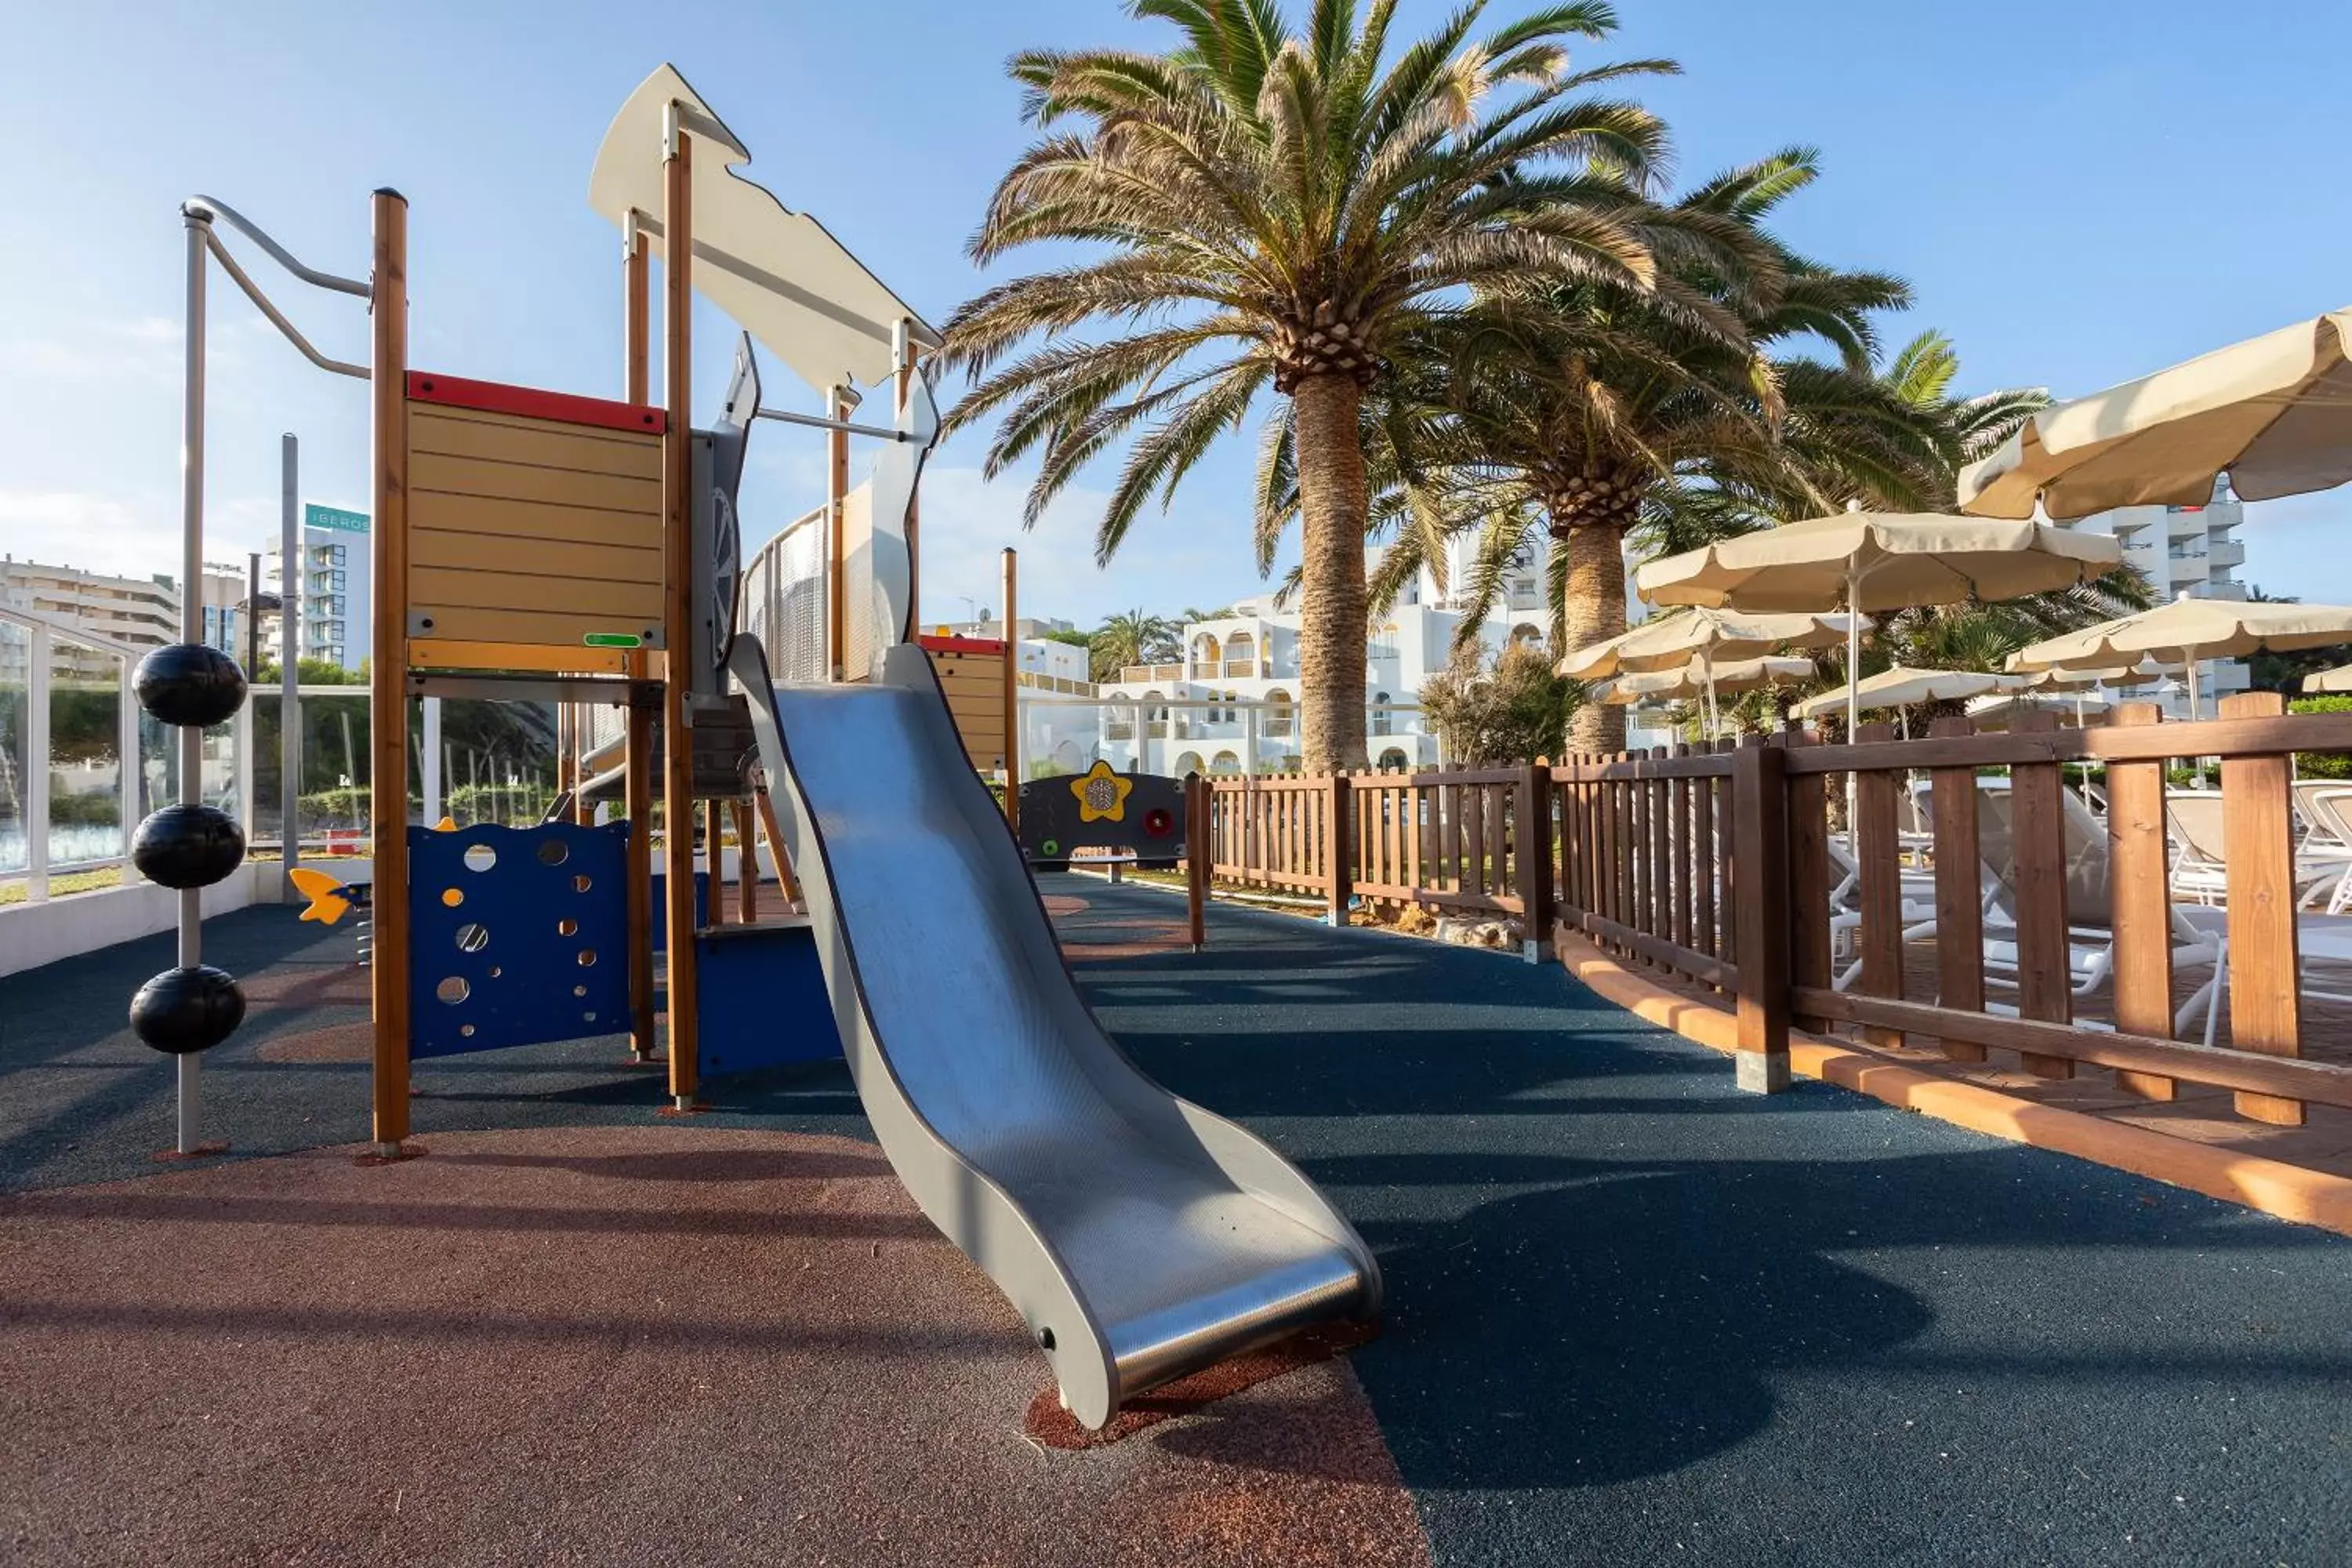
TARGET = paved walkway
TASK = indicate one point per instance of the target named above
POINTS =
(1635, 1316)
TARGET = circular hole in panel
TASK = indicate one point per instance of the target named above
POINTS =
(553, 852)
(480, 857)
(587, 1017)
(582, 884)
(495, 972)
(567, 928)
(587, 958)
(451, 897)
(580, 991)
(473, 936)
(452, 990)
(467, 1030)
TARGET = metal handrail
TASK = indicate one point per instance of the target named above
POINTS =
(293, 334)
(210, 207)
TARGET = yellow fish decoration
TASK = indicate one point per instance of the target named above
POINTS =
(329, 896)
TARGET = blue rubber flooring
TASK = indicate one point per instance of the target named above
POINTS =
(1634, 1316)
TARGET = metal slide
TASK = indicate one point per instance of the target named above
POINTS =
(1139, 1237)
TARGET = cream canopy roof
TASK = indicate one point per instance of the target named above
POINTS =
(1879, 560)
(1902, 686)
(2337, 679)
(1666, 642)
(1689, 682)
(2189, 628)
(2274, 413)
(777, 272)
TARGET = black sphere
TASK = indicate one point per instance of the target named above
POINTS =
(185, 1010)
(190, 683)
(187, 847)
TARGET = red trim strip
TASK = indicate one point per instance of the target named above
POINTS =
(962, 645)
(531, 403)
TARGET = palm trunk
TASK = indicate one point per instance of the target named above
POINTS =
(1594, 611)
(1335, 504)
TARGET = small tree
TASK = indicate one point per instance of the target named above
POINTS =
(1514, 711)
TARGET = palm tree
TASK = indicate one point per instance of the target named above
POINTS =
(1136, 636)
(1282, 209)
(1584, 411)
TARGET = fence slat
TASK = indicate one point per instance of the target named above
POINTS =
(1959, 893)
(1680, 886)
(1703, 869)
(1878, 853)
(1809, 883)
(1660, 912)
(2141, 902)
(2266, 1000)
(2037, 827)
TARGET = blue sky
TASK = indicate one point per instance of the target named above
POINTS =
(2080, 194)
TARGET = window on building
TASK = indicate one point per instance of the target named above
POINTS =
(1278, 713)
(1393, 760)
(338, 554)
(1382, 717)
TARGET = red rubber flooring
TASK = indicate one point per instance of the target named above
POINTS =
(641, 1345)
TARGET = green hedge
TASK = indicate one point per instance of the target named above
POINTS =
(2322, 765)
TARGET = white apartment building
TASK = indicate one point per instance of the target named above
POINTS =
(336, 599)
(143, 612)
(2185, 549)
(1172, 718)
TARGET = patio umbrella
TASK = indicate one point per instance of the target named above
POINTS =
(2274, 413)
(1861, 561)
(2337, 679)
(1703, 678)
(2189, 629)
(1903, 685)
(1701, 639)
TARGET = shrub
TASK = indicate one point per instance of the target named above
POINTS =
(2322, 765)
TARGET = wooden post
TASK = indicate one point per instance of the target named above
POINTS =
(388, 664)
(1012, 693)
(786, 883)
(1960, 896)
(2140, 902)
(1759, 818)
(1339, 864)
(1531, 847)
(677, 618)
(643, 711)
(903, 341)
(1200, 855)
(837, 406)
(2265, 999)
(747, 864)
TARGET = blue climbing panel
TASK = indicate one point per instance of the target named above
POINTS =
(762, 1001)
(520, 935)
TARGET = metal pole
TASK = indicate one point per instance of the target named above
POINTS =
(1012, 694)
(191, 571)
(431, 761)
(289, 651)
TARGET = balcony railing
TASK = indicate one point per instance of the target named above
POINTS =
(1232, 669)
(1128, 673)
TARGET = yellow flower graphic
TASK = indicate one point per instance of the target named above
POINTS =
(1102, 793)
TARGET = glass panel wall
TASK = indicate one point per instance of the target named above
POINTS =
(16, 739)
(85, 763)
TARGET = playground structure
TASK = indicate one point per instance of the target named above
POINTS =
(546, 546)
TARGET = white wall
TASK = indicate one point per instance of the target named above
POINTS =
(35, 934)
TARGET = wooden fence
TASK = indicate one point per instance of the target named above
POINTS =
(1944, 888)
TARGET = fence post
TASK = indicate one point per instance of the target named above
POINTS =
(1532, 825)
(1338, 863)
(2265, 1004)
(1760, 839)
(1200, 851)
